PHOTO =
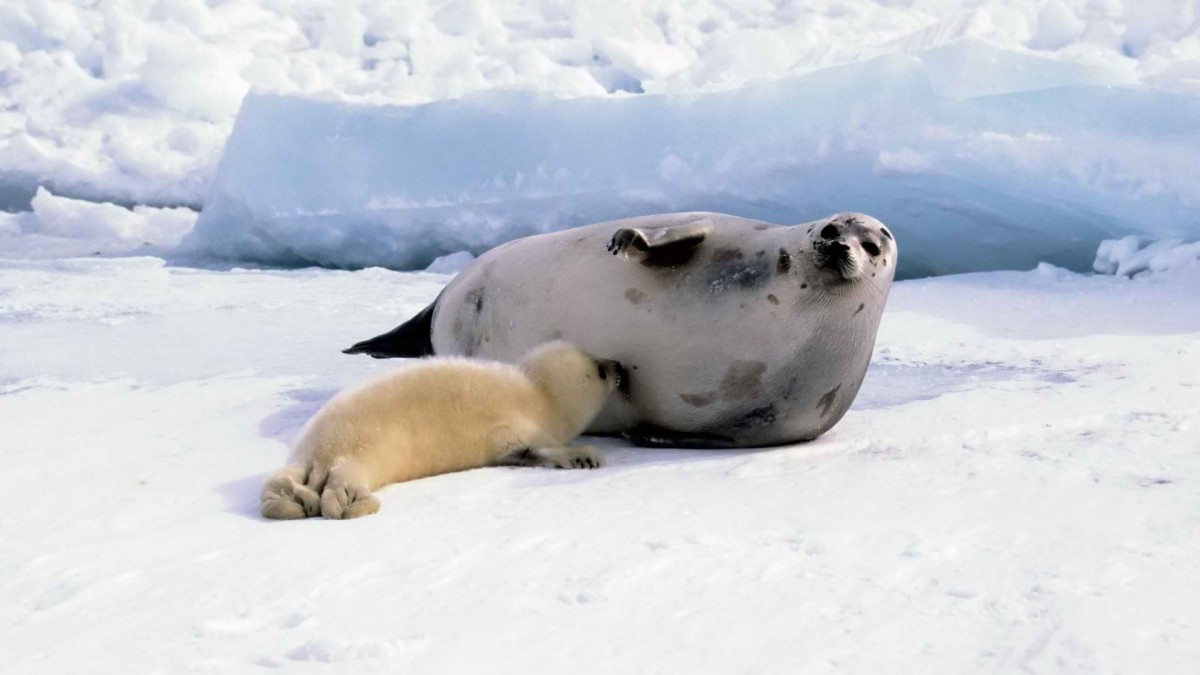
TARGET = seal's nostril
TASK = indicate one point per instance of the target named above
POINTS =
(830, 231)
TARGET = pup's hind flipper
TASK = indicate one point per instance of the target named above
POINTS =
(346, 495)
(286, 497)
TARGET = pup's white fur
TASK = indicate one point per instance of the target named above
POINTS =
(437, 416)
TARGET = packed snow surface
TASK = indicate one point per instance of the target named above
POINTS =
(132, 100)
(1017, 489)
(978, 158)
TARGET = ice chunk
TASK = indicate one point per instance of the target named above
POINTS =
(988, 182)
(1127, 258)
(450, 264)
(58, 226)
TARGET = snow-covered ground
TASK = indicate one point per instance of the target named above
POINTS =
(1017, 489)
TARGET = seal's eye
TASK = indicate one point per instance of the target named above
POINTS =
(870, 248)
(601, 371)
(830, 232)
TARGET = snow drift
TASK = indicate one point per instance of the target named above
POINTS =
(979, 158)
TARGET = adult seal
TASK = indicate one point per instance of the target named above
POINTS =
(732, 332)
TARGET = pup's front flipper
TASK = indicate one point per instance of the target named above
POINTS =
(346, 495)
(566, 457)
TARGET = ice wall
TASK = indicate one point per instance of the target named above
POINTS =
(978, 159)
(131, 100)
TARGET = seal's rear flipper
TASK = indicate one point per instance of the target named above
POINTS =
(671, 245)
(413, 338)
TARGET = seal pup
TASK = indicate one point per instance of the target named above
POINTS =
(734, 332)
(438, 416)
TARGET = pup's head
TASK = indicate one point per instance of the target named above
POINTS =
(577, 383)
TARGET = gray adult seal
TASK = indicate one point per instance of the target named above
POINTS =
(732, 332)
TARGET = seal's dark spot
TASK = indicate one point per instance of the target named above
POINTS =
(886, 233)
(760, 254)
(727, 255)
(772, 299)
(826, 402)
(699, 400)
(730, 269)
(885, 262)
(634, 295)
(743, 379)
(860, 306)
(475, 297)
(802, 286)
(791, 389)
(784, 263)
(759, 417)
(556, 335)
(761, 226)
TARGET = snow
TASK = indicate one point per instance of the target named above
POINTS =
(1014, 490)
(131, 101)
(1028, 159)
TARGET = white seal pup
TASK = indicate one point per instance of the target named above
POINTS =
(438, 416)
(733, 332)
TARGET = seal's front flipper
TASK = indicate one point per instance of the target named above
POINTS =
(413, 338)
(670, 245)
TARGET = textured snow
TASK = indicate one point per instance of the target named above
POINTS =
(1015, 490)
(978, 158)
(131, 100)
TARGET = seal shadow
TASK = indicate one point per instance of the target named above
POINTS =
(621, 456)
(283, 424)
(241, 495)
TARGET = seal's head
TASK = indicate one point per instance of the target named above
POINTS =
(848, 247)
